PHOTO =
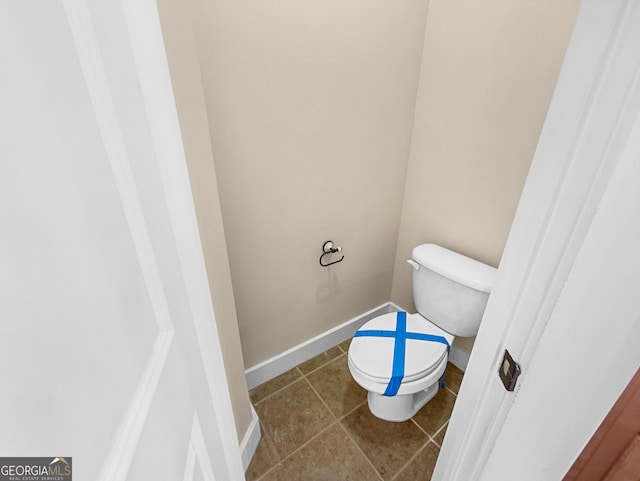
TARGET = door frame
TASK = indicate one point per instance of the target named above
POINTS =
(152, 66)
(594, 106)
(152, 70)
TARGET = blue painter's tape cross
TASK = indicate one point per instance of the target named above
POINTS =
(400, 336)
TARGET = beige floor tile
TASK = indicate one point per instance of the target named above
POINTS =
(293, 416)
(436, 412)
(260, 392)
(334, 384)
(453, 377)
(331, 456)
(421, 467)
(386, 444)
(319, 360)
(264, 458)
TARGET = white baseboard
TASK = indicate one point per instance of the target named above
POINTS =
(250, 440)
(459, 358)
(289, 359)
(267, 370)
(395, 307)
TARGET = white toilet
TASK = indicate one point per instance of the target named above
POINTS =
(398, 357)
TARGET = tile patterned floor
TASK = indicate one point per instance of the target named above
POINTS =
(316, 426)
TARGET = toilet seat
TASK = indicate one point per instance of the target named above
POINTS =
(371, 358)
(406, 387)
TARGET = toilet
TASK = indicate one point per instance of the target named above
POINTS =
(400, 358)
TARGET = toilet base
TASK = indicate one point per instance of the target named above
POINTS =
(400, 407)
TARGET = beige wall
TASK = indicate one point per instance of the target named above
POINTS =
(310, 111)
(310, 106)
(488, 72)
(176, 17)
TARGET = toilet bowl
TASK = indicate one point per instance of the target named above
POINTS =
(371, 362)
(398, 357)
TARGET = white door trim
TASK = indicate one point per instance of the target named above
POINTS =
(197, 454)
(587, 126)
(120, 456)
(151, 65)
(153, 72)
(589, 350)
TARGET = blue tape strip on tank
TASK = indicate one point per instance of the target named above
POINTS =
(400, 336)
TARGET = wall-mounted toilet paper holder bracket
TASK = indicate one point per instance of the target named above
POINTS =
(328, 248)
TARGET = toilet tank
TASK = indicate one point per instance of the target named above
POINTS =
(449, 289)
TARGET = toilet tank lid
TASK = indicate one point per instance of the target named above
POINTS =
(462, 269)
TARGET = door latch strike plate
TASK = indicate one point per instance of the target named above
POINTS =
(509, 371)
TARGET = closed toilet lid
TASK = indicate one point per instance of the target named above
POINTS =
(373, 355)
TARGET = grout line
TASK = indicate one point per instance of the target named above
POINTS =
(312, 438)
(345, 429)
(357, 446)
(433, 438)
(302, 374)
(355, 408)
(303, 445)
(421, 428)
(424, 446)
(278, 391)
(321, 400)
(366, 458)
(451, 391)
(320, 367)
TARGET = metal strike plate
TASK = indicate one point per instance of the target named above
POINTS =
(509, 371)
